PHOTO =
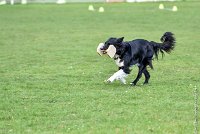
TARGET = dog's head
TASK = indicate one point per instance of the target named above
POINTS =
(116, 42)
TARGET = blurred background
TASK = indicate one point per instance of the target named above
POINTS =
(66, 1)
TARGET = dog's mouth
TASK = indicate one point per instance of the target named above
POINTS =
(103, 51)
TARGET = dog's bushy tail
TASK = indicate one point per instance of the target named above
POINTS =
(168, 44)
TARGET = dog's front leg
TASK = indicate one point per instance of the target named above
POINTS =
(119, 75)
(123, 80)
(113, 77)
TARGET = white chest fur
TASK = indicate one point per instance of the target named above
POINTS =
(119, 62)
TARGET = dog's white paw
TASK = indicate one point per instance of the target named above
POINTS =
(108, 81)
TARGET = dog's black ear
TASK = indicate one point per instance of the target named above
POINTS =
(119, 40)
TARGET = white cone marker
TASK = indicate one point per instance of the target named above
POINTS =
(101, 10)
(91, 8)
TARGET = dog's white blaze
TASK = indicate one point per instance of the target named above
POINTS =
(119, 75)
(119, 62)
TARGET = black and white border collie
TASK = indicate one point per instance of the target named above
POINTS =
(138, 52)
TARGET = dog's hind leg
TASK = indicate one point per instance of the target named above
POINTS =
(146, 73)
(147, 76)
(141, 69)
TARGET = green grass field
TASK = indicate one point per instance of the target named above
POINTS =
(52, 79)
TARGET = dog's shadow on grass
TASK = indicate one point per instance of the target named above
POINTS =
(128, 86)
